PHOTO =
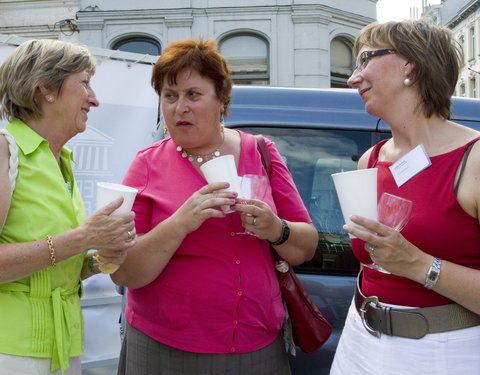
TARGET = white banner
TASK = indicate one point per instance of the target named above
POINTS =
(123, 124)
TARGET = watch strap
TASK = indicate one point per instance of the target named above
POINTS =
(433, 273)
(284, 235)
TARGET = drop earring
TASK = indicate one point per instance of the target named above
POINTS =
(222, 120)
(407, 82)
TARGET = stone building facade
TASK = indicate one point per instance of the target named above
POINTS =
(276, 42)
(463, 17)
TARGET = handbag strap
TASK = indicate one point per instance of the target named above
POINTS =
(13, 160)
(267, 164)
(263, 149)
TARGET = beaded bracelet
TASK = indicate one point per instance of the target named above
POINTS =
(51, 250)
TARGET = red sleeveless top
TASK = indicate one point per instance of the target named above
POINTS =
(438, 226)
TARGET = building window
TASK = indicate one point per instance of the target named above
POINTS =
(462, 89)
(139, 44)
(472, 43)
(341, 62)
(247, 56)
(473, 88)
(461, 41)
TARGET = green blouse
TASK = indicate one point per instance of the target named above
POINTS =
(40, 315)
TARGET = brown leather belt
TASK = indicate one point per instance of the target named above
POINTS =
(411, 323)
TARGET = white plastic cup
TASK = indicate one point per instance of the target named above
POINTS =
(357, 193)
(107, 192)
(222, 169)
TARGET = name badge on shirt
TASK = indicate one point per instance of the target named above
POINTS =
(410, 165)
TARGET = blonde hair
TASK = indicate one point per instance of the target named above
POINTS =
(38, 62)
(436, 55)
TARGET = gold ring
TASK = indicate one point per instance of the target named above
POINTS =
(254, 220)
(130, 235)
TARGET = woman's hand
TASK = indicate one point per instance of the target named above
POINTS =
(109, 233)
(389, 249)
(203, 204)
(400, 257)
(257, 218)
(155, 249)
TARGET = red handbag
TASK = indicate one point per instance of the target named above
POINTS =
(310, 330)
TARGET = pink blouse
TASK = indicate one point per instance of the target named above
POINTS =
(219, 292)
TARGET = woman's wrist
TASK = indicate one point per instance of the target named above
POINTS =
(77, 239)
(284, 234)
(433, 273)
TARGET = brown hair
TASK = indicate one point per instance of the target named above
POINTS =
(38, 62)
(199, 55)
(434, 51)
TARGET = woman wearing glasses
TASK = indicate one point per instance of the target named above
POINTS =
(422, 317)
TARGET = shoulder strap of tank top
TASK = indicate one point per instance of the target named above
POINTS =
(463, 163)
(372, 160)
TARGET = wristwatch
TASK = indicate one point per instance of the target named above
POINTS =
(284, 235)
(433, 274)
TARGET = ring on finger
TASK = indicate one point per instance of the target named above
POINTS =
(254, 220)
(130, 235)
(371, 249)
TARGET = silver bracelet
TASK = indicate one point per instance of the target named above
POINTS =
(433, 273)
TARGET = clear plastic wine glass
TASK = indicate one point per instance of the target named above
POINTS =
(393, 211)
(252, 186)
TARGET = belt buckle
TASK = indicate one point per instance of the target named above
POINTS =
(363, 315)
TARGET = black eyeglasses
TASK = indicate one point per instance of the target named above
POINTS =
(362, 60)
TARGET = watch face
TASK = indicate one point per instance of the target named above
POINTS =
(433, 273)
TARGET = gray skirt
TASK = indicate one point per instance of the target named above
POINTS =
(142, 355)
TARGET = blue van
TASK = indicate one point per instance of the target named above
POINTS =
(319, 132)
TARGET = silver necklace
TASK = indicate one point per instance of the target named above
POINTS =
(204, 157)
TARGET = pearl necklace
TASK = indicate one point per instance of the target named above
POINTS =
(201, 158)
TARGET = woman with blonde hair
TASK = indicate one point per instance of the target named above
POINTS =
(423, 316)
(45, 94)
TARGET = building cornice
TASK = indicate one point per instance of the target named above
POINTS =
(300, 14)
(463, 13)
(179, 21)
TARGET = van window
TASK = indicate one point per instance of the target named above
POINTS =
(312, 155)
